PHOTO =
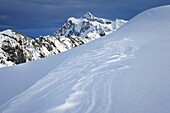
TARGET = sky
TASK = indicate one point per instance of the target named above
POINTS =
(43, 17)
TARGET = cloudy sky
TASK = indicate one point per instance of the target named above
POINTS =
(43, 17)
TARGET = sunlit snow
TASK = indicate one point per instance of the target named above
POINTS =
(125, 72)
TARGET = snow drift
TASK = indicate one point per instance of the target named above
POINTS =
(125, 72)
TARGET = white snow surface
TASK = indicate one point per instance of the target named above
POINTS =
(125, 72)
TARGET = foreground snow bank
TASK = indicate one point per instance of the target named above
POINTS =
(126, 72)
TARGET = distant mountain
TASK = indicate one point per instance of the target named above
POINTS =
(16, 48)
(89, 26)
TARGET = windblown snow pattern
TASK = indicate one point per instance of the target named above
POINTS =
(125, 72)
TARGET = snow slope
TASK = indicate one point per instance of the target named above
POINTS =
(125, 72)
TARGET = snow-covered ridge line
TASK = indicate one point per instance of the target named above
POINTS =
(110, 56)
(16, 48)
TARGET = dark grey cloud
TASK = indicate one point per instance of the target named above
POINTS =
(5, 26)
(58, 3)
(40, 17)
(2, 17)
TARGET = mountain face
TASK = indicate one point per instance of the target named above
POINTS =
(16, 48)
(89, 26)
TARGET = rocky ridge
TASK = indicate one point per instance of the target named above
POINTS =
(16, 48)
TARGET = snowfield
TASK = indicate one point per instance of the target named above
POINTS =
(125, 72)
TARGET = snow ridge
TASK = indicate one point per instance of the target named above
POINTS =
(77, 98)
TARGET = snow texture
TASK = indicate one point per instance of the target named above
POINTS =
(125, 72)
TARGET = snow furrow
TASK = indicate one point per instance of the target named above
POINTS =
(80, 90)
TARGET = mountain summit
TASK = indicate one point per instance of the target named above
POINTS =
(89, 26)
(88, 16)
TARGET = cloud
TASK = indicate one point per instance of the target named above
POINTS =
(2, 17)
(58, 3)
(5, 26)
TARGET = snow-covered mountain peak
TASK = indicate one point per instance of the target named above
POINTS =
(7, 32)
(89, 26)
(12, 34)
(4, 35)
(88, 15)
(73, 20)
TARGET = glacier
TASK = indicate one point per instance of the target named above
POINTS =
(127, 71)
